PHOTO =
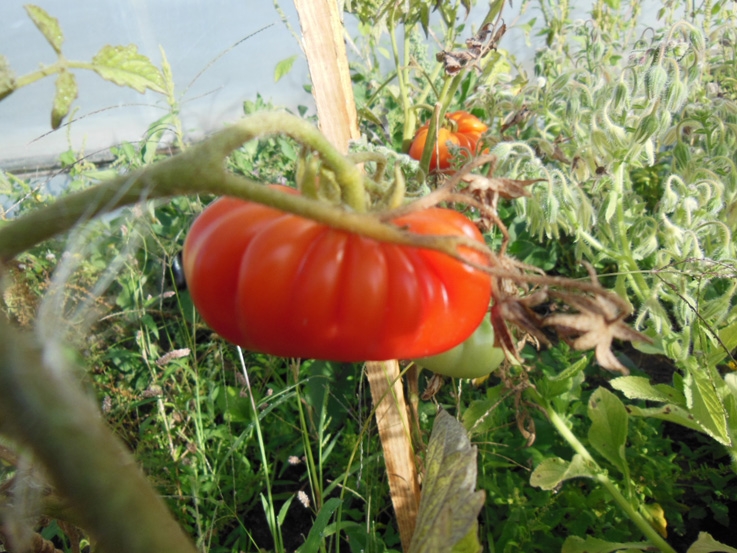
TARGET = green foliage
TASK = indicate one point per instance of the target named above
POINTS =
(634, 134)
(122, 65)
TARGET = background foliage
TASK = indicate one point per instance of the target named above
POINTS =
(633, 130)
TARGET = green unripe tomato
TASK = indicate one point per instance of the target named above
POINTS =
(475, 357)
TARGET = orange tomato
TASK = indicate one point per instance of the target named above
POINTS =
(463, 130)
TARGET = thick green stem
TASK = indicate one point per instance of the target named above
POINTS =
(201, 170)
(602, 477)
(45, 409)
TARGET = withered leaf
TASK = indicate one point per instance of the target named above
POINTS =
(596, 324)
(509, 189)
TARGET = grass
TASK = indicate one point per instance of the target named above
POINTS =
(634, 134)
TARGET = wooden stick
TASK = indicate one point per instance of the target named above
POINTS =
(391, 418)
(322, 37)
(322, 33)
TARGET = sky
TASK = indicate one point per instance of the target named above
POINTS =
(191, 32)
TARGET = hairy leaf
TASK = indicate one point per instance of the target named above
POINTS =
(66, 93)
(124, 66)
(449, 504)
(7, 78)
(48, 25)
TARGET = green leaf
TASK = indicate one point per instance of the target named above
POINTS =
(470, 543)
(7, 78)
(314, 538)
(425, 18)
(639, 387)
(284, 510)
(670, 413)
(574, 544)
(706, 544)
(449, 505)
(66, 93)
(552, 472)
(608, 431)
(284, 67)
(482, 414)
(48, 25)
(124, 66)
(727, 335)
(166, 71)
(705, 406)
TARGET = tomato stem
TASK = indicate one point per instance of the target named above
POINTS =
(198, 170)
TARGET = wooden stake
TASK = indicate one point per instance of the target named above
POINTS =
(322, 37)
(322, 33)
(394, 431)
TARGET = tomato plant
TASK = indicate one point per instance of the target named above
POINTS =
(476, 356)
(463, 130)
(289, 286)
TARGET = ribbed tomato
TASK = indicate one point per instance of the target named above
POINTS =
(285, 285)
(465, 131)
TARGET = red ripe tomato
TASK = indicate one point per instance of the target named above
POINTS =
(285, 285)
(465, 131)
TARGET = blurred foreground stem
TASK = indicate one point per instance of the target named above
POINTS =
(45, 409)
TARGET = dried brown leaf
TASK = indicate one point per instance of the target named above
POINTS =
(598, 322)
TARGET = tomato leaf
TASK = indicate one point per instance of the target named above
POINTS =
(449, 504)
(552, 472)
(66, 92)
(561, 384)
(705, 406)
(608, 431)
(7, 78)
(48, 25)
(706, 544)
(284, 67)
(574, 544)
(124, 66)
(166, 71)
